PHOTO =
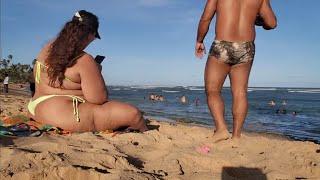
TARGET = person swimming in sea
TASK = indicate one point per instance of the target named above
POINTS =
(183, 99)
(272, 103)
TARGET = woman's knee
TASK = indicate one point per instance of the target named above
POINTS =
(136, 115)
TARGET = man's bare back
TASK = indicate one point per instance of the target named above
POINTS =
(235, 19)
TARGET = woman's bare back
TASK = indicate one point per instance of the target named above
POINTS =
(69, 87)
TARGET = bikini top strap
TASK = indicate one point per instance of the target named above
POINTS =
(79, 56)
(39, 64)
(38, 70)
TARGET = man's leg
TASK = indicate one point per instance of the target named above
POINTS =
(215, 75)
(6, 88)
(239, 76)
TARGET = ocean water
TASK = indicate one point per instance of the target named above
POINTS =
(261, 116)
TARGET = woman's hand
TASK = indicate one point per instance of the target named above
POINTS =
(99, 67)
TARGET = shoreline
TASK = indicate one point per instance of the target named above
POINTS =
(257, 133)
(24, 97)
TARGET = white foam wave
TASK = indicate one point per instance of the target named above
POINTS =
(262, 89)
(196, 89)
(168, 91)
(305, 91)
(143, 87)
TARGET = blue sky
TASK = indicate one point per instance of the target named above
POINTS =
(151, 42)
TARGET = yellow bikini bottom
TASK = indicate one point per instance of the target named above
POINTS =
(75, 101)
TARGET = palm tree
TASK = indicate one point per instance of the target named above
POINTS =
(9, 60)
(4, 63)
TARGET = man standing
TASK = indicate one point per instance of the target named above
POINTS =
(231, 53)
(6, 83)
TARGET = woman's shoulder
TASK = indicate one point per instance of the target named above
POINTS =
(44, 52)
(86, 61)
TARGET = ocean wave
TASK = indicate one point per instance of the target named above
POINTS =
(169, 91)
(304, 91)
(262, 89)
(196, 89)
(143, 87)
(116, 89)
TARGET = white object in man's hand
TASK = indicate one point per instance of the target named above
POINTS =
(200, 50)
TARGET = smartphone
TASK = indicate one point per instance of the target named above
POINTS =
(99, 59)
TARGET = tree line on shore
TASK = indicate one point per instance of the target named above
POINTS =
(18, 73)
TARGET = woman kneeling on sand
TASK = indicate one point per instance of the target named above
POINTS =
(70, 90)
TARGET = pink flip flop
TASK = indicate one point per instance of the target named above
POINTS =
(203, 149)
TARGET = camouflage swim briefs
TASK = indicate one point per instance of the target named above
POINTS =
(233, 53)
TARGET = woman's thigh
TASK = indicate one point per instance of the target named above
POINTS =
(114, 114)
(59, 112)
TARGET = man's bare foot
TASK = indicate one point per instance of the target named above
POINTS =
(220, 136)
(235, 142)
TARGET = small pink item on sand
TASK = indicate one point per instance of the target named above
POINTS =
(203, 149)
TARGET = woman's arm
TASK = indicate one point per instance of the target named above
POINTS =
(92, 83)
(46, 89)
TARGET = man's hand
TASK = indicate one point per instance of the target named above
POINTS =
(259, 21)
(200, 50)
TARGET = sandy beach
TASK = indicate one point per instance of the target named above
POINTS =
(166, 151)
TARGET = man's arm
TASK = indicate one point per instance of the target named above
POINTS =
(203, 27)
(268, 16)
(205, 20)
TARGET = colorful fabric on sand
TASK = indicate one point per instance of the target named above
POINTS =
(21, 125)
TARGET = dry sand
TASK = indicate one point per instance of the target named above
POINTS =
(167, 151)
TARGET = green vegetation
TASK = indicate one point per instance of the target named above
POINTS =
(18, 73)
